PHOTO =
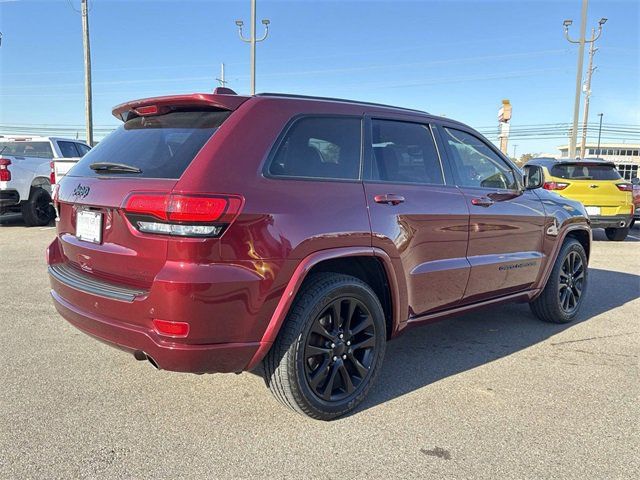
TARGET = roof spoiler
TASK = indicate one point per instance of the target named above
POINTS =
(222, 98)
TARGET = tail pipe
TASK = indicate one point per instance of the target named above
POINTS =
(141, 356)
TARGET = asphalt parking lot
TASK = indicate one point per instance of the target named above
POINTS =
(496, 394)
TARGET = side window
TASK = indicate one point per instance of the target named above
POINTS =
(82, 149)
(68, 149)
(476, 164)
(404, 153)
(319, 147)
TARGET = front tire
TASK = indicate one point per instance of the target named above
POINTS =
(616, 234)
(330, 348)
(564, 292)
(38, 211)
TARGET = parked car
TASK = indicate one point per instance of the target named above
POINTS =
(598, 185)
(27, 173)
(294, 236)
(635, 182)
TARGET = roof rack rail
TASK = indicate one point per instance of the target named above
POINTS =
(331, 99)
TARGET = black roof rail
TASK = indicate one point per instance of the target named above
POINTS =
(343, 100)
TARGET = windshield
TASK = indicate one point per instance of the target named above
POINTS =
(160, 146)
(582, 171)
(26, 149)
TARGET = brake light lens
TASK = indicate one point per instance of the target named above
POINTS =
(52, 173)
(148, 110)
(171, 329)
(555, 185)
(182, 215)
(5, 174)
(625, 187)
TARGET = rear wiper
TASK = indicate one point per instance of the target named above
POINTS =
(114, 167)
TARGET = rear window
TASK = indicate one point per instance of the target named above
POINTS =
(161, 146)
(577, 171)
(27, 149)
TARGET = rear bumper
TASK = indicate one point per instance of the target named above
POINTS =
(220, 303)
(9, 198)
(217, 358)
(612, 221)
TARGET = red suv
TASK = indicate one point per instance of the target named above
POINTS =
(294, 236)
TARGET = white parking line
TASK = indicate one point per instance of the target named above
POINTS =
(47, 228)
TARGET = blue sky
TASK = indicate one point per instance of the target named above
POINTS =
(456, 58)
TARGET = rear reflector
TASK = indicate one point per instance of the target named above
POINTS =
(625, 187)
(5, 174)
(182, 215)
(555, 185)
(171, 329)
(52, 173)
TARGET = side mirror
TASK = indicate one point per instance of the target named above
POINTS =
(533, 177)
(635, 181)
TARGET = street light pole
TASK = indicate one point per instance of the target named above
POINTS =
(514, 150)
(88, 108)
(581, 41)
(587, 93)
(252, 40)
(599, 133)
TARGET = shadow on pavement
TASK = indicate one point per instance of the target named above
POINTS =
(430, 353)
(15, 220)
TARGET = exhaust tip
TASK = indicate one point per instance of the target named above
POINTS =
(623, 224)
(139, 355)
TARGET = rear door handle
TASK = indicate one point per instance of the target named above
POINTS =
(389, 199)
(482, 202)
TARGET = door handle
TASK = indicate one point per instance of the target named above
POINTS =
(389, 199)
(482, 202)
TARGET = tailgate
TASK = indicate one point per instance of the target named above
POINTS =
(122, 254)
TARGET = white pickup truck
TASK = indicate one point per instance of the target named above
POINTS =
(28, 168)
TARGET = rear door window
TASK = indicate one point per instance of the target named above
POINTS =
(161, 146)
(82, 149)
(404, 153)
(577, 171)
(319, 147)
(27, 149)
(68, 149)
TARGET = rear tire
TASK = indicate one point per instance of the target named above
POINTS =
(564, 292)
(330, 348)
(38, 211)
(616, 234)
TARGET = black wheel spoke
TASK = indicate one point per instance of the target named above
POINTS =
(319, 374)
(346, 379)
(313, 351)
(349, 317)
(362, 326)
(329, 386)
(362, 370)
(368, 342)
(319, 329)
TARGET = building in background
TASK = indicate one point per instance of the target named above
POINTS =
(626, 156)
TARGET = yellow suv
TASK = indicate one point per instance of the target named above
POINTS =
(607, 197)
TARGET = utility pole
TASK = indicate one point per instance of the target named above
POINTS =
(514, 150)
(599, 133)
(221, 80)
(88, 107)
(587, 93)
(253, 40)
(504, 116)
(581, 41)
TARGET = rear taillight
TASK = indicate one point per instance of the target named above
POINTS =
(625, 187)
(5, 174)
(182, 215)
(171, 329)
(555, 185)
(52, 173)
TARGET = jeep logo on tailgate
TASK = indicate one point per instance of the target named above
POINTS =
(81, 191)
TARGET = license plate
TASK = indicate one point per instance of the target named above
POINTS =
(593, 211)
(89, 226)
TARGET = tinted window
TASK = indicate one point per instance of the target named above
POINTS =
(319, 147)
(27, 149)
(476, 164)
(68, 149)
(578, 171)
(82, 149)
(404, 153)
(161, 146)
